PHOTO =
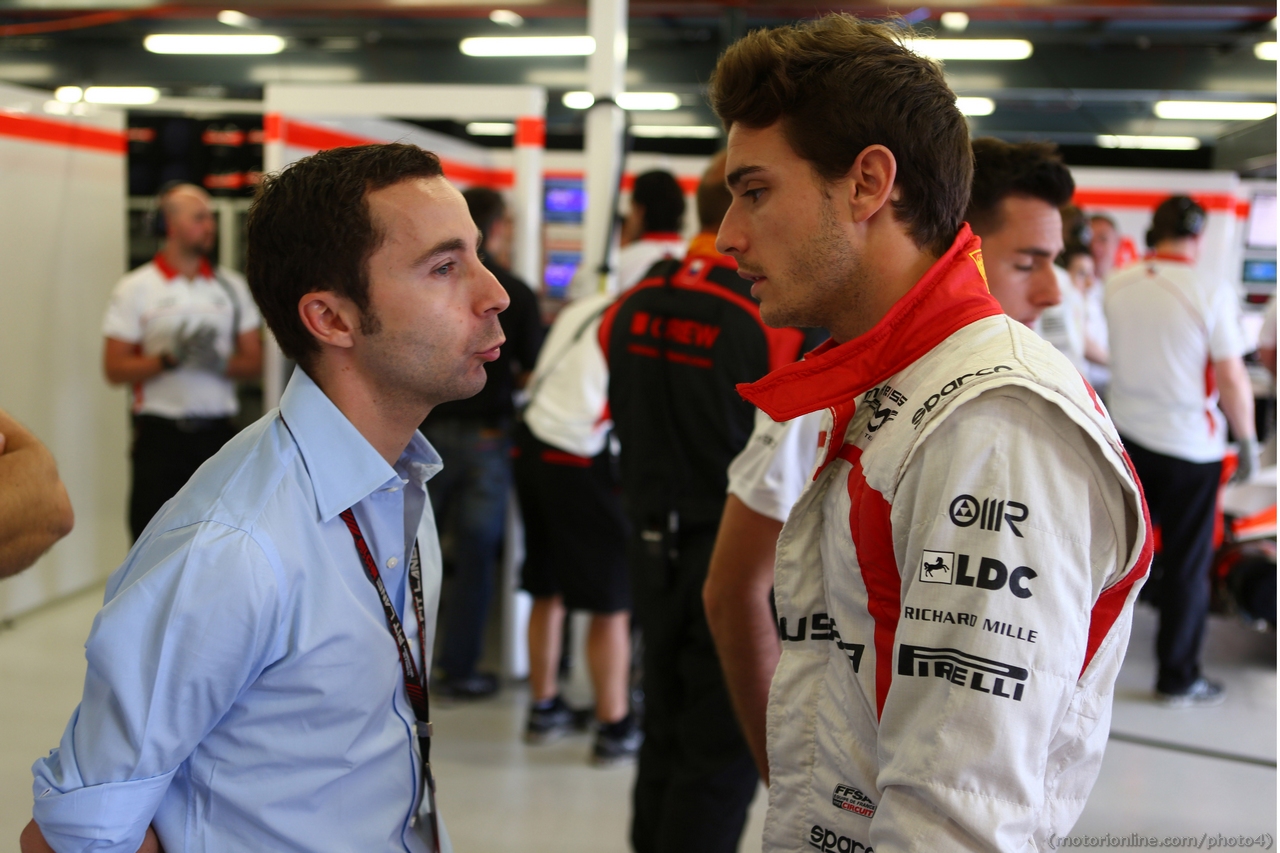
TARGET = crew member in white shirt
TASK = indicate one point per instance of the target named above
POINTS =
(1176, 348)
(180, 332)
(657, 217)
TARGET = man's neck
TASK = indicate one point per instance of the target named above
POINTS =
(386, 421)
(892, 264)
(1182, 248)
(185, 261)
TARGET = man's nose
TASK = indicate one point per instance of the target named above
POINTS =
(492, 295)
(1045, 288)
(730, 239)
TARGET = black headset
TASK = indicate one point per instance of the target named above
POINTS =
(1179, 216)
(156, 224)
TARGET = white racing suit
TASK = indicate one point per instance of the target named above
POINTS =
(954, 587)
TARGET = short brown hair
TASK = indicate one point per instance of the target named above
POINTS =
(310, 229)
(1002, 169)
(839, 85)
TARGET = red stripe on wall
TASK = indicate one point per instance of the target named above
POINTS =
(53, 132)
(531, 132)
(1149, 199)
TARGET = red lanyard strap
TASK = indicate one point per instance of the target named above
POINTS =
(415, 683)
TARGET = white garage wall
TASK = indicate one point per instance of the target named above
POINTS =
(62, 248)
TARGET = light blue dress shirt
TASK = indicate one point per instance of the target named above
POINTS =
(243, 690)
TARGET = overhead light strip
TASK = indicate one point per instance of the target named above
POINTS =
(675, 131)
(971, 49)
(1150, 143)
(1265, 50)
(644, 101)
(491, 128)
(528, 46)
(976, 106)
(1215, 110)
(213, 45)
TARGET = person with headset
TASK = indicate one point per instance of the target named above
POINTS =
(180, 332)
(1167, 321)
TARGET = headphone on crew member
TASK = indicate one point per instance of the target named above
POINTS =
(1177, 216)
(157, 225)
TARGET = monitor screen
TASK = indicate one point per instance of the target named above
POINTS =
(1259, 271)
(564, 201)
(1261, 229)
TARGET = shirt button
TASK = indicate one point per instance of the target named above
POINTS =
(393, 562)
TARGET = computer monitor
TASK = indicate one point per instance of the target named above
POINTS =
(1260, 230)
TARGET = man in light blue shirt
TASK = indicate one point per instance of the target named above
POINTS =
(245, 689)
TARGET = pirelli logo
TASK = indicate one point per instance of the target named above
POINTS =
(964, 670)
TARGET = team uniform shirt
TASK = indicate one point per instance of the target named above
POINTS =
(569, 388)
(677, 344)
(1168, 326)
(636, 259)
(954, 587)
(244, 691)
(1063, 325)
(1267, 334)
(773, 469)
(153, 305)
(1095, 326)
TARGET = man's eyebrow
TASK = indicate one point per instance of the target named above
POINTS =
(451, 244)
(1037, 252)
(735, 177)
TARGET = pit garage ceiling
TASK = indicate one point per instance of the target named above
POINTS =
(1096, 69)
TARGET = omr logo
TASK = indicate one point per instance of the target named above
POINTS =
(965, 511)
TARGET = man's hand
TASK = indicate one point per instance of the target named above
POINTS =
(198, 348)
(32, 841)
(35, 511)
(1247, 460)
(736, 598)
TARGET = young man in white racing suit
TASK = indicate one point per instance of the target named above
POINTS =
(966, 706)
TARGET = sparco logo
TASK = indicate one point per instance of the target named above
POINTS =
(951, 568)
(985, 676)
(821, 838)
(989, 515)
(950, 388)
(853, 800)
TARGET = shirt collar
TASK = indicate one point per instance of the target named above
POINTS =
(169, 273)
(951, 295)
(344, 467)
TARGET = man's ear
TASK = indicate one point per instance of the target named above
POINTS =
(330, 318)
(871, 181)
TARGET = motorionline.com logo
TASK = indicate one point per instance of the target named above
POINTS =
(1133, 839)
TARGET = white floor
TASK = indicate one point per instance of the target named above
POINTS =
(500, 795)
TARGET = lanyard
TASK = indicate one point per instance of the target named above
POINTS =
(415, 683)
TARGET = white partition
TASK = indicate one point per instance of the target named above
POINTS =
(62, 248)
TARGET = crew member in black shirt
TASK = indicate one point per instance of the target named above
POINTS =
(473, 437)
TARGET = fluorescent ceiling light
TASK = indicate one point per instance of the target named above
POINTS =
(957, 22)
(626, 100)
(177, 43)
(1150, 143)
(121, 95)
(69, 94)
(1265, 50)
(529, 46)
(675, 131)
(491, 128)
(986, 49)
(649, 101)
(506, 17)
(976, 106)
(232, 18)
(1215, 110)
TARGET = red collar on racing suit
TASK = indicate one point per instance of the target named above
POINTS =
(950, 296)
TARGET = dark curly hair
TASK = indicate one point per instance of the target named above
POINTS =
(309, 229)
(1002, 169)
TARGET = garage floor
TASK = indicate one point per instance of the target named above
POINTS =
(1196, 773)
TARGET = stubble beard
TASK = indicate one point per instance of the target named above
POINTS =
(827, 280)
